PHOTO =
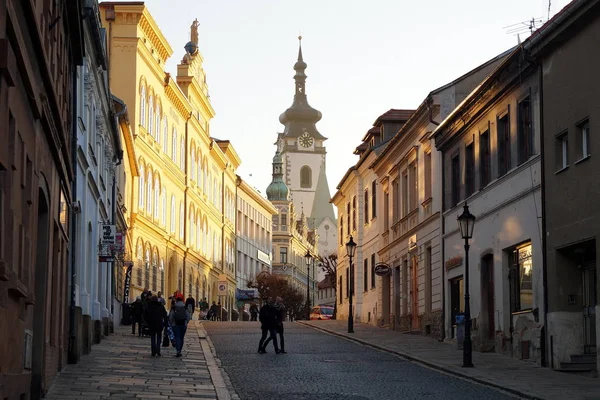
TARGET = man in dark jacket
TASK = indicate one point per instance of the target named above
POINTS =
(280, 317)
(268, 320)
(155, 319)
(190, 304)
(137, 309)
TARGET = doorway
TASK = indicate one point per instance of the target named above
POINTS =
(589, 307)
(457, 301)
(385, 299)
(397, 297)
(487, 297)
(40, 288)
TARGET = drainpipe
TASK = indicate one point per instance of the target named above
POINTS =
(72, 352)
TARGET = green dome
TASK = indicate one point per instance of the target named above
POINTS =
(277, 191)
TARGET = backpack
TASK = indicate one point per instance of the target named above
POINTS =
(180, 315)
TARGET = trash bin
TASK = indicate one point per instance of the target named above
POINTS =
(459, 320)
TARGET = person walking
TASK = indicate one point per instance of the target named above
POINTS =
(190, 304)
(137, 309)
(253, 312)
(213, 312)
(280, 317)
(161, 299)
(179, 318)
(155, 319)
(268, 321)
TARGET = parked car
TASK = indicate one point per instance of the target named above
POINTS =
(321, 312)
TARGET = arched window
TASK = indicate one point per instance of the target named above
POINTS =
(150, 115)
(143, 106)
(182, 152)
(149, 192)
(204, 294)
(156, 199)
(181, 220)
(157, 122)
(163, 215)
(199, 170)
(165, 139)
(174, 146)
(198, 233)
(193, 164)
(192, 231)
(173, 215)
(305, 177)
(142, 188)
(140, 261)
(204, 238)
(147, 265)
(197, 290)
(179, 280)
(154, 271)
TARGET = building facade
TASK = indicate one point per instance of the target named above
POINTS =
(303, 152)
(37, 74)
(183, 216)
(490, 149)
(98, 154)
(253, 235)
(570, 122)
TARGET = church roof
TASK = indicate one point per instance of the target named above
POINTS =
(322, 208)
(301, 117)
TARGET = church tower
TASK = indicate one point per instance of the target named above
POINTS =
(303, 153)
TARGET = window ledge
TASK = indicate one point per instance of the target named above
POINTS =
(427, 201)
(583, 159)
(561, 170)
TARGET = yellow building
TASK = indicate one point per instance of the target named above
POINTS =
(182, 219)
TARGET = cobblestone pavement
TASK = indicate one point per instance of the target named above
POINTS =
(121, 367)
(323, 366)
(523, 378)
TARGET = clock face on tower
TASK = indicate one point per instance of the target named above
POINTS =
(306, 140)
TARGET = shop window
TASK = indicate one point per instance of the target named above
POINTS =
(520, 276)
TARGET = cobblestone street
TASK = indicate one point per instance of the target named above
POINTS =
(121, 367)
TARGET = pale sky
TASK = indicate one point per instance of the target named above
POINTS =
(364, 57)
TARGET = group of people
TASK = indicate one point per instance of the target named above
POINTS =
(149, 311)
(271, 317)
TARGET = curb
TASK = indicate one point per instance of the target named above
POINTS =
(223, 386)
(426, 363)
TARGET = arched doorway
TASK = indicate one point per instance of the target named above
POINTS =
(40, 289)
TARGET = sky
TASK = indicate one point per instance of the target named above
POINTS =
(364, 57)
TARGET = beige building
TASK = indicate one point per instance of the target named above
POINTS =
(182, 219)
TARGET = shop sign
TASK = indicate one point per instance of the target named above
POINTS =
(454, 262)
(382, 269)
(264, 257)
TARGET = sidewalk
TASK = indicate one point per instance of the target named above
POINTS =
(519, 377)
(121, 367)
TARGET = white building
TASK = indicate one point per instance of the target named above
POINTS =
(98, 152)
(491, 160)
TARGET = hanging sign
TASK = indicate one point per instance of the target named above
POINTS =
(127, 283)
(382, 269)
(109, 233)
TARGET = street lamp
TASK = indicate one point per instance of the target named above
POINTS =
(308, 258)
(466, 223)
(350, 248)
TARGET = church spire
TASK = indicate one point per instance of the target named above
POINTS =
(301, 118)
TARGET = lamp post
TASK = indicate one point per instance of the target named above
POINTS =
(466, 223)
(350, 248)
(308, 258)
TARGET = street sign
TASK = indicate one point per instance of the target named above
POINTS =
(382, 269)
(222, 288)
(108, 234)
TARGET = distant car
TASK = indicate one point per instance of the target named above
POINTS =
(321, 312)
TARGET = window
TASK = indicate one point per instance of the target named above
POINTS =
(503, 143)
(455, 180)
(413, 186)
(584, 139)
(386, 210)
(427, 178)
(283, 255)
(150, 115)
(365, 274)
(562, 151)
(366, 206)
(305, 177)
(372, 270)
(484, 159)
(340, 292)
(193, 164)
(154, 271)
(140, 261)
(149, 193)
(521, 283)
(470, 169)
(348, 219)
(174, 146)
(428, 280)
(353, 213)
(143, 106)
(405, 186)
(524, 130)
(182, 152)
(173, 214)
(163, 216)
(347, 281)
(341, 231)
(142, 188)
(165, 139)
(156, 194)
(373, 199)
(181, 220)
(157, 122)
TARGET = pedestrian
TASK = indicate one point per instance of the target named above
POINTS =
(137, 309)
(253, 311)
(179, 318)
(268, 321)
(213, 311)
(204, 305)
(280, 317)
(190, 304)
(155, 318)
(219, 311)
(161, 299)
